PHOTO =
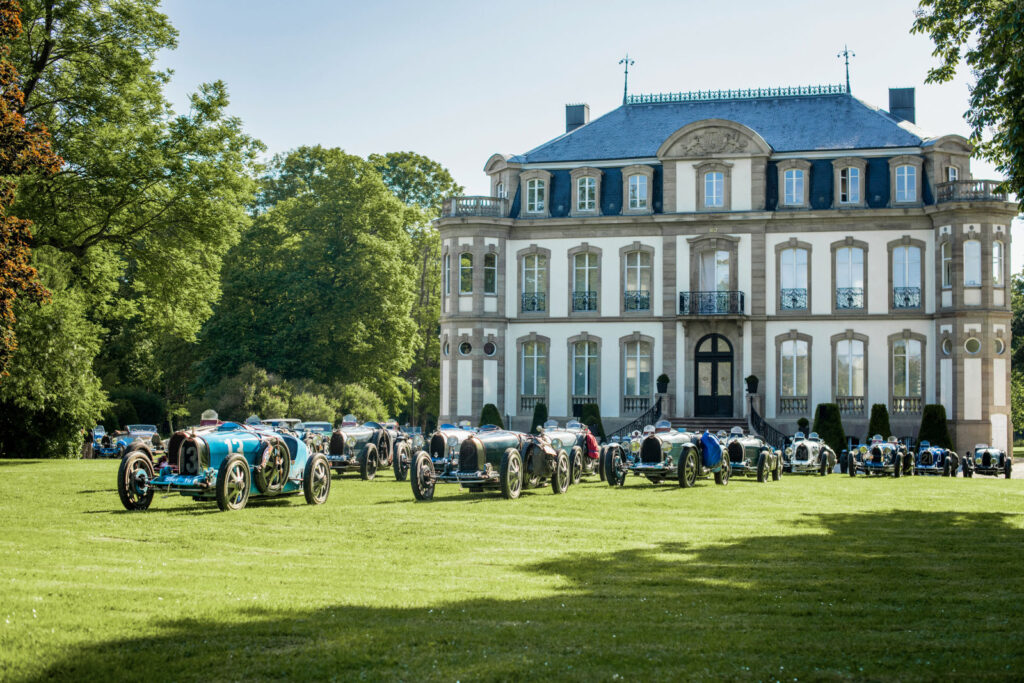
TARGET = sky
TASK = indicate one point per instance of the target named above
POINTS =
(459, 81)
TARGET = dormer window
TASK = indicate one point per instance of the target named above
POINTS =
(536, 184)
(637, 185)
(586, 193)
(586, 187)
(535, 195)
(849, 186)
(714, 190)
(794, 176)
(848, 183)
(499, 191)
(905, 179)
(637, 192)
(906, 183)
(794, 182)
(952, 174)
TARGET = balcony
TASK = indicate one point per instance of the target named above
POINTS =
(906, 297)
(484, 207)
(635, 404)
(534, 302)
(793, 299)
(527, 403)
(969, 191)
(793, 405)
(906, 405)
(580, 400)
(636, 300)
(584, 301)
(850, 405)
(849, 298)
(711, 303)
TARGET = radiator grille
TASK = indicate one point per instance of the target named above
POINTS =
(468, 456)
(735, 452)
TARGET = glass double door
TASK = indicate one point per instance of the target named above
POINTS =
(713, 370)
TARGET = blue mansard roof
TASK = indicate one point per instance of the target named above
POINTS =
(788, 123)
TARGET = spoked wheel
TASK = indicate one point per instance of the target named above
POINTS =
(233, 482)
(762, 468)
(422, 478)
(133, 477)
(851, 466)
(273, 473)
(614, 472)
(576, 465)
(777, 472)
(511, 474)
(403, 456)
(316, 480)
(688, 469)
(368, 463)
(560, 474)
(722, 475)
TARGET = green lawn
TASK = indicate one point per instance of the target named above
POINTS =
(805, 579)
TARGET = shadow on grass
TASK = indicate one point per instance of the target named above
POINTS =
(899, 595)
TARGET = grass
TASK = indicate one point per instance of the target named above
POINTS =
(807, 579)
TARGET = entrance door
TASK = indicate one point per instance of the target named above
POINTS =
(713, 365)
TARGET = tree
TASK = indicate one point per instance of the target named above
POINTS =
(540, 416)
(489, 415)
(803, 424)
(1017, 321)
(1017, 400)
(934, 428)
(591, 416)
(416, 180)
(828, 423)
(879, 422)
(24, 149)
(987, 37)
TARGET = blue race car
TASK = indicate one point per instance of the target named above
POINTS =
(881, 457)
(985, 459)
(936, 460)
(117, 443)
(228, 463)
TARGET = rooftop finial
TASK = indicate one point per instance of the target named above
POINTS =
(847, 53)
(625, 82)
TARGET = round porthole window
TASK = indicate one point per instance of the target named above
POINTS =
(947, 346)
(972, 346)
(447, 349)
(465, 348)
(490, 349)
(1000, 345)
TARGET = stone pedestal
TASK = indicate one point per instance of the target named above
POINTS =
(667, 406)
(754, 404)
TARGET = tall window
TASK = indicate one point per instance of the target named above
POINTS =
(946, 256)
(535, 274)
(849, 185)
(952, 173)
(638, 369)
(794, 367)
(794, 181)
(466, 273)
(906, 277)
(997, 264)
(535, 369)
(714, 189)
(849, 277)
(500, 190)
(714, 271)
(584, 368)
(535, 196)
(490, 273)
(849, 367)
(638, 281)
(586, 193)
(972, 263)
(793, 279)
(447, 274)
(638, 192)
(906, 367)
(906, 183)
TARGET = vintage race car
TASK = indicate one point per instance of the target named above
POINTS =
(401, 449)
(881, 457)
(228, 463)
(985, 459)
(752, 457)
(573, 440)
(935, 460)
(666, 454)
(285, 423)
(359, 447)
(316, 435)
(494, 459)
(808, 455)
(117, 443)
(443, 445)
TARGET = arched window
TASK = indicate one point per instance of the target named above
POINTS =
(466, 273)
(793, 279)
(638, 191)
(972, 263)
(714, 189)
(490, 273)
(637, 295)
(585, 363)
(997, 264)
(586, 193)
(794, 357)
(584, 281)
(906, 368)
(535, 195)
(535, 369)
(794, 190)
(906, 277)
(849, 278)
(637, 369)
(906, 183)
(535, 274)
(946, 256)
(849, 368)
(952, 174)
(500, 190)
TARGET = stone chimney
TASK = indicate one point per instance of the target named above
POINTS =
(576, 115)
(901, 103)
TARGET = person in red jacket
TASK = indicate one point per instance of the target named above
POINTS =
(593, 452)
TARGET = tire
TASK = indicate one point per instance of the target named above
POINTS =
(762, 468)
(908, 465)
(316, 479)
(851, 465)
(823, 467)
(945, 466)
(403, 458)
(422, 478)
(562, 474)
(511, 474)
(842, 462)
(688, 469)
(134, 489)
(777, 472)
(954, 464)
(368, 463)
(723, 473)
(600, 462)
(270, 478)
(968, 469)
(384, 452)
(233, 483)
(897, 468)
(1007, 468)
(576, 465)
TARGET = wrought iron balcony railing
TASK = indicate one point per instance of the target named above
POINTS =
(793, 404)
(584, 301)
(906, 404)
(711, 303)
(969, 191)
(639, 300)
(636, 404)
(528, 403)
(793, 299)
(849, 297)
(532, 303)
(853, 405)
(906, 297)
(486, 207)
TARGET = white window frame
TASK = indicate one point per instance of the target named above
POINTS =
(845, 264)
(538, 359)
(586, 193)
(636, 267)
(538, 269)
(972, 263)
(714, 190)
(946, 258)
(499, 190)
(901, 262)
(463, 269)
(901, 349)
(535, 195)
(793, 194)
(906, 183)
(588, 268)
(849, 185)
(952, 174)
(997, 263)
(491, 267)
(637, 352)
(637, 191)
(788, 355)
(850, 356)
(590, 355)
(793, 268)
(447, 267)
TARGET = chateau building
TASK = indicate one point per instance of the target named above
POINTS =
(833, 250)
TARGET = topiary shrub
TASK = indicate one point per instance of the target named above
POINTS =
(802, 424)
(879, 423)
(828, 422)
(590, 415)
(934, 427)
(489, 415)
(540, 416)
